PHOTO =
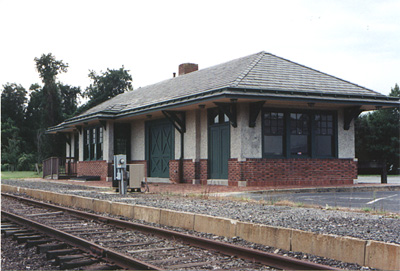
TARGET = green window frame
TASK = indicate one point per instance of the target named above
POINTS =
(93, 143)
(299, 134)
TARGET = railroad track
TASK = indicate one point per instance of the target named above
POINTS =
(129, 245)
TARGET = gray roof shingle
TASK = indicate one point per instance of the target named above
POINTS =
(261, 71)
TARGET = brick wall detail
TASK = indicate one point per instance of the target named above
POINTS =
(95, 168)
(304, 172)
(191, 171)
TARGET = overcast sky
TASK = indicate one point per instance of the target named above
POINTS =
(358, 41)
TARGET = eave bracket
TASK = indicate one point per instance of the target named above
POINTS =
(349, 115)
(229, 109)
(177, 118)
(79, 128)
(104, 124)
(254, 109)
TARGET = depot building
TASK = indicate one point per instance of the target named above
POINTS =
(260, 120)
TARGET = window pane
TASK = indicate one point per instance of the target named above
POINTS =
(94, 136)
(273, 133)
(120, 146)
(323, 145)
(87, 137)
(299, 145)
(100, 136)
(299, 124)
(273, 145)
(99, 151)
(216, 119)
(226, 119)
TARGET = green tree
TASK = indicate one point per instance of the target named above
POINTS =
(13, 103)
(106, 85)
(34, 122)
(11, 143)
(48, 68)
(13, 106)
(69, 100)
(377, 135)
(48, 105)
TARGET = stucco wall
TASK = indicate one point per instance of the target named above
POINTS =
(67, 146)
(204, 134)
(346, 138)
(245, 140)
(108, 148)
(191, 146)
(138, 140)
(195, 138)
(81, 146)
(177, 136)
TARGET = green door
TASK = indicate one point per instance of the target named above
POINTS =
(160, 148)
(219, 151)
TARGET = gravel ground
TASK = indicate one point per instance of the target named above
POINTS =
(14, 259)
(359, 225)
(15, 256)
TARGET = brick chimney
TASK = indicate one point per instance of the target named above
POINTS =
(187, 68)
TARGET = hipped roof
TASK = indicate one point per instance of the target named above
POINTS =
(260, 76)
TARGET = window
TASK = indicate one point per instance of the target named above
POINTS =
(324, 135)
(122, 138)
(273, 133)
(299, 134)
(93, 143)
(76, 147)
(99, 145)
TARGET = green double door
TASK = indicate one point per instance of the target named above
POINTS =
(219, 150)
(160, 148)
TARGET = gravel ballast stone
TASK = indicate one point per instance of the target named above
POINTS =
(359, 225)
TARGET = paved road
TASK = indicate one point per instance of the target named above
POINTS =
(378, 200)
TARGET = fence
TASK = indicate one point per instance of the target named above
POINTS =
(57, 168)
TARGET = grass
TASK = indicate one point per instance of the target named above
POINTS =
(366, 209)
(19, 175)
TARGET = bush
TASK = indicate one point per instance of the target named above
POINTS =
(26, 162)
(5, 167)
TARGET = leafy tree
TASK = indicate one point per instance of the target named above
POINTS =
(69, 100)
(13, 103)
(34, 122)
(106, 85)
(11, 143)
(48, 68)
(377, 135)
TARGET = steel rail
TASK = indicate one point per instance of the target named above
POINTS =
(87, 246)
(270, 259)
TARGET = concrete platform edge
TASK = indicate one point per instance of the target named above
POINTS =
(368, 253)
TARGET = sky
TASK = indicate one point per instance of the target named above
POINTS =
(355, 40)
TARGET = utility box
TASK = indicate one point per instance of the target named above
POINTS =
(119, 166)
(136, 176)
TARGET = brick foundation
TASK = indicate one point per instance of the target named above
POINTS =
(304, 172)
(273, 172)
(95, 168)
(191, 171)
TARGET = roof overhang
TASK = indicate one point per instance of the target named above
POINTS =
(365, 102)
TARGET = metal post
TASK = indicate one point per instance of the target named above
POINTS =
(51, 167)
(122, 185)
(384, 173)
